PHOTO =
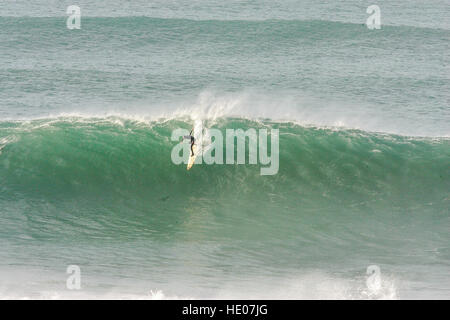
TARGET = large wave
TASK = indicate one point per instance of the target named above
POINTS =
(101, 162)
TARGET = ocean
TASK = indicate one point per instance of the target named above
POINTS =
(87, 180)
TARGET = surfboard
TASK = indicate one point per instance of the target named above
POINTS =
(192, 158)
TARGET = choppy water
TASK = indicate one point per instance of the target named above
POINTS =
(86, 176)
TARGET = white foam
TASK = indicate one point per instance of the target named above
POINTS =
(298, 108)
(308, 285)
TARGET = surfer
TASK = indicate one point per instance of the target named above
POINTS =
(192, 141)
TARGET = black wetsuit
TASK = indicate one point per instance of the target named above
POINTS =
(192, 142)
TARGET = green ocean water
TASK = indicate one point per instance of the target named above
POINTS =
(86, 176)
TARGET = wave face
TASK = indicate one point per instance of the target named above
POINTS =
(114, 156)
(77, 182)
(123, 167)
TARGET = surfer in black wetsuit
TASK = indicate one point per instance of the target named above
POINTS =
(192, 141)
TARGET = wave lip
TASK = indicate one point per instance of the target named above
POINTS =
(282, 107)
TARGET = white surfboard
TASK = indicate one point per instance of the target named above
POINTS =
(192, 157)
